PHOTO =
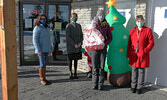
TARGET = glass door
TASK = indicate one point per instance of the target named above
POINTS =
(59, 17)
(30, 12)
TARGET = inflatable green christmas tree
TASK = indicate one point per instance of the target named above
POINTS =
(117, 65)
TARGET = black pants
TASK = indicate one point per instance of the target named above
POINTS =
(98, 62)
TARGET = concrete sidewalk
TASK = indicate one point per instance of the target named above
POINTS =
(62, 88)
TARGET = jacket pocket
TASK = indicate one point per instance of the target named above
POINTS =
(132, 58)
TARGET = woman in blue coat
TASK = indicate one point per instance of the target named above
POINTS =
(42, 44)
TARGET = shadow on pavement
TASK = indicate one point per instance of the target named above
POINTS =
(148, 88)
(34, 73)
(110, 87)
(82, 77)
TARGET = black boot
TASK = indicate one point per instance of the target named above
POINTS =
(75, 76)
(133, 90)
(95, 87)
(71, 75)
(138, 91)
(100, 87)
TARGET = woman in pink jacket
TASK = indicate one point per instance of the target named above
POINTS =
(140, 44)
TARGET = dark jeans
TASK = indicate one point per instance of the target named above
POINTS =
(137, 77)
(98, 62)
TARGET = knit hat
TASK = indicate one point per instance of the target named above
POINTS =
(100, 12)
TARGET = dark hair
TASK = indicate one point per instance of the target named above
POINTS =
(37, 23)
(139, 17)
(74, 14)
(103, 23)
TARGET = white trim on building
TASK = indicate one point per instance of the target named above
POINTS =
(157, 73)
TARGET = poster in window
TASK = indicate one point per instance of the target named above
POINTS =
(28, 23)
(58, 25)
(165, 13)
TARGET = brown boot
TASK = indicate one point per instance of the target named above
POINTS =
(44, 73)
(41, 75)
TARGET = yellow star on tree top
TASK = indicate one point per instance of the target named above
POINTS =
(111, 3)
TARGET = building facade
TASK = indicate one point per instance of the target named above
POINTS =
(154, 12)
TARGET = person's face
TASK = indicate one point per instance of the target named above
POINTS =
(140, 21)
(43, 20)
(74, 18)
(100, 15)
(43, 17)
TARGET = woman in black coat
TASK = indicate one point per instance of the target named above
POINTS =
(74, 37)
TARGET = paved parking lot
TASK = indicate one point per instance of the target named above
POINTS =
(79, 89)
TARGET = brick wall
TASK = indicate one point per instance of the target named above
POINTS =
(86, 10)
(141, 8)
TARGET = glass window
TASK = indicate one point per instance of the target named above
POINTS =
(59, 13)
(59, 17)
(30, 14)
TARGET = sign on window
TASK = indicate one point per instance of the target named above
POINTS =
(165, 13)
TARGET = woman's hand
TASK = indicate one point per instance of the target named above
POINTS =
(76, 46)
(39, 54)
(79, 44)
(51, 53)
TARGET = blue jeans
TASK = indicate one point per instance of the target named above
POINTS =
(43, 59)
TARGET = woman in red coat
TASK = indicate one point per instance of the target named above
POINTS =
(140, 44)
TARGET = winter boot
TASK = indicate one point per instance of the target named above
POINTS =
(44, 73)
(71, 75)
(41, 70)
(75, 76)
